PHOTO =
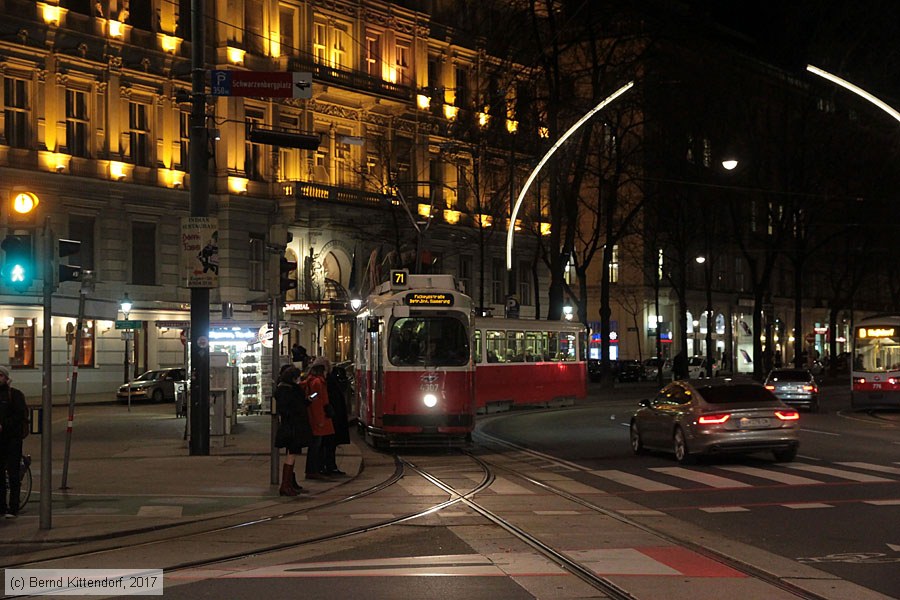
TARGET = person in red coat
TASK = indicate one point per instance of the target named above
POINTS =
(317, 394)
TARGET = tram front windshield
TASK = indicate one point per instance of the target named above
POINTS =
(440, 341)
(877, 349)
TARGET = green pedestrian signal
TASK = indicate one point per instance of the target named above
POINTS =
(18, 262)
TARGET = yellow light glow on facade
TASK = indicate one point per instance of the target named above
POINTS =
(51, 14)
(274, 48)
(169, 43)
(452, 216)
(424, 210)
(483, 119)
(116, 29)
(512, 126)
(545, 228)
(173, 178)
(392, 74)
(238, 185)
(117, 170)
(450, 111)
(484, 220)
(235, 55)
(423, 101)
(54, 161)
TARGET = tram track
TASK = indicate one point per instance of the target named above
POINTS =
(212, 528)
(724, 559)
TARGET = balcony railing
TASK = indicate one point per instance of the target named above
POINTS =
(354, 80)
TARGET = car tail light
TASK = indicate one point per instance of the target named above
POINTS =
(810, 388)
(770, 387)
(787, 415)
(892, 380)
(713, 419)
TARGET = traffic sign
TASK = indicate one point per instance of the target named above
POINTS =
(268, 84)
(120, 324)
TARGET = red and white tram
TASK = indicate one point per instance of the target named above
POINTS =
(415, 377)
(875, 367)
(522, 362)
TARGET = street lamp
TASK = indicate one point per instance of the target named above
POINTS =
(567, 312)
(355, 303)
(710, 321)
(125, 306)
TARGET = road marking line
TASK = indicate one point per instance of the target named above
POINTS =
(699, 477)
(839, 473)
(553, 513)
(160, 511)
(772, 475)
(883, 502)
(802, 505)
(638, 512)
(871, 467)
(635, 481)
(724, 509)
(819, 431)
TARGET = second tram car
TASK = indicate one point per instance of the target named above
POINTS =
(875, 367)
(523, 362)
(415, 375)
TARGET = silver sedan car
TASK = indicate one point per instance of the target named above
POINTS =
(715, 416)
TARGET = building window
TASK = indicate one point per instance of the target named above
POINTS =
(143, 253)
(462, 88)
(707, 152)
(739, 274)
(614, 265)
(401, 64)
(289, 158)
(373, 55)
(139, 124)
(465, 273)
(320, 43)
(81, 228)
(287, 27)
(77, 123)
(343, 164)
(184, 133)
(462, 188)
(256, 262)
(525, 298)
(87, 344)
(498, 273)
(21, 345)
(15, 108)
(253, 153)
(253, 26)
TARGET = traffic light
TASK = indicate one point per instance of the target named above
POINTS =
(23, 210)
(66, 248)
(286, 267)
(18, 262)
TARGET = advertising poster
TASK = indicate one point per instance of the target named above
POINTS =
(200, 251)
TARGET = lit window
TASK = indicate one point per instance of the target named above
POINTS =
(15, 108)
(77, 122)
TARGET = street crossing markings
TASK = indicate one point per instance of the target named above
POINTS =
(839, 473)
(895, 502)
(803, 505)
(701, 477)
(779, 476)
(556, 513)
(871, 467)
(635, 481)
(723, 509)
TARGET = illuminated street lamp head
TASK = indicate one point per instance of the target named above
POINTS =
(700, 260)
(125, 304)
(355, 303)
(729, 164)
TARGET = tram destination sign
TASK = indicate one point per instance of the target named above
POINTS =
(428, 299)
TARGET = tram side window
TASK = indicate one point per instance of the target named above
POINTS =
(478, 346)
(495, 346)
(877, 355)
(515, 346)
(562, 346)
(535, 346)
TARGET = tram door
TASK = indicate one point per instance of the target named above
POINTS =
(375, 358)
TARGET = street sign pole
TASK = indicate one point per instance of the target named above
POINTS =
(199, 181)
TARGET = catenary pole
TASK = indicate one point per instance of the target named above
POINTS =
(199, 182)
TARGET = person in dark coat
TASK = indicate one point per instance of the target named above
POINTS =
(341, 435)
(13, 423)
(294, 431)
(680, 366)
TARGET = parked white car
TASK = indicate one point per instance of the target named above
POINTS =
(697, 367)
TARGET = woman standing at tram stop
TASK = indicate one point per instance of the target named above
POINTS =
(294, 431)
(317, 393)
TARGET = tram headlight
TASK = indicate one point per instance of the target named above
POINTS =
(430, 400)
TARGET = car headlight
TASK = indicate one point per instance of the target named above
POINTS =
(430, 400)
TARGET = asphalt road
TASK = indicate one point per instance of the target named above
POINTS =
(837, 506)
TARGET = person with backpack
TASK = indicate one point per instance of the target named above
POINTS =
(13, 429)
